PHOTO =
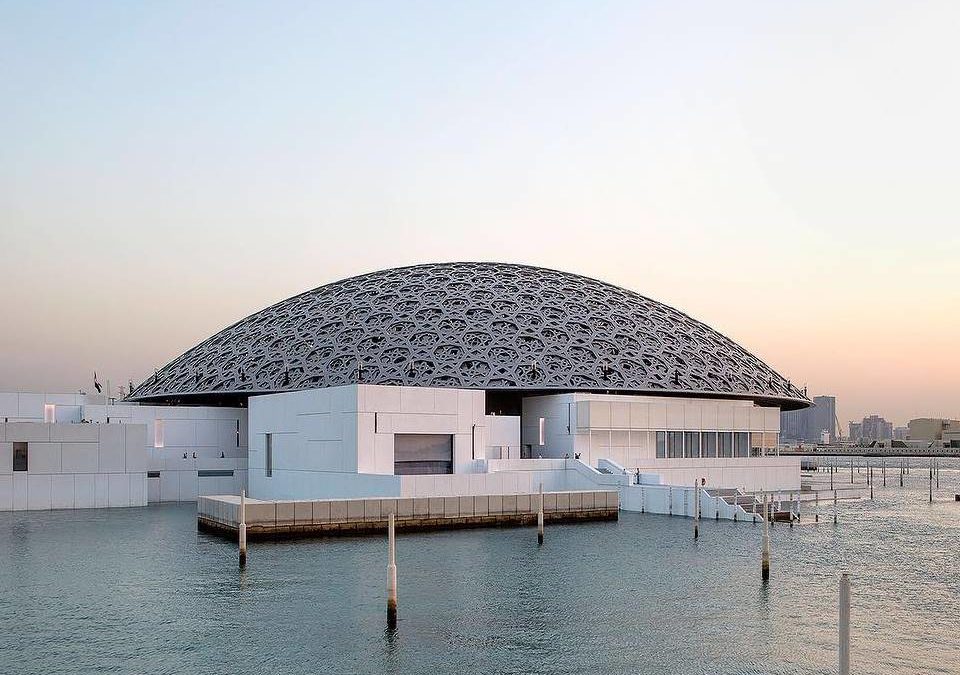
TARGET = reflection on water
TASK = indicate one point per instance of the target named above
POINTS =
(139, 590)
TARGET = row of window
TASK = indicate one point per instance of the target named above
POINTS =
(679, 444)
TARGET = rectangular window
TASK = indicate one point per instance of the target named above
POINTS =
(709, 443)
(158, 433)
(211, 473)
(691, 443)
(675, 443)
(741, 444)
(268, 461)
(661, 444)
(49, 413)
(19, 456)
(153, 474)
(756, 444)
(541, 430)
(726, 444)
(422, 454)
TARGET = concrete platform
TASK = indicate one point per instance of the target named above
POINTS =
(324, 517)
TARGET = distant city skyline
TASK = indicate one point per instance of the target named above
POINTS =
(784, 174)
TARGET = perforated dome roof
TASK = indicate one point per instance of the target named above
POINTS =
(490, 326)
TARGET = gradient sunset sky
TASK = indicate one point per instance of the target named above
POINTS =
(788, 173)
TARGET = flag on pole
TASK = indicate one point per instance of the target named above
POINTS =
(96, 384)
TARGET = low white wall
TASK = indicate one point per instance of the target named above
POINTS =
(750, 473)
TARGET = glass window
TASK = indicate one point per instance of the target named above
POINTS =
(726, 443)
(691, 443)
(709, 443)
(661, 444)
(49, 413)
(158, 433)
(268, 464)
(756, 444)
(675, 443)
(19, 456)
(741, 444)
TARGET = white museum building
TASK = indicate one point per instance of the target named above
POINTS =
(439, 379)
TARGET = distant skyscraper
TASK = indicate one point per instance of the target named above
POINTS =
(856, 432)
(901, 433)
(808, 425)
(875, 428)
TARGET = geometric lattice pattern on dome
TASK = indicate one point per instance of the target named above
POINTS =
(470, 325)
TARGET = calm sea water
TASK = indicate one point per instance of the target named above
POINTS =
(140, 591)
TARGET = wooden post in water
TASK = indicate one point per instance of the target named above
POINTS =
(851, 471)
(765, 552)
(931, 480)
(670, 497)
(540, 518)
(391, 574)
(834, 507)
(696, 511)
(717, 505)
(816, 517)
(243, 528)
(844, 625)
(831, 476)
(883, 470)
(937, 464)
(643, 501)
(901, 472)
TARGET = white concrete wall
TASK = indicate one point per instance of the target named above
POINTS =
(73, 466)
(201, 433)
(503, 437)
(340, 441)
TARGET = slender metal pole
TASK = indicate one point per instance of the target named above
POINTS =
(717, 506)
(816, 517)
(696, 511)
(243, 528)
(834, 507)
(540, 518)
(937, 461)
(844, 650)
(851, 471)
(831, 476)
(931, 481)
(901, 472)
(391, 574)
(883, 470)
(765, 552)
(670, 497)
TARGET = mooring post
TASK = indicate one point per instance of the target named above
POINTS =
(643, 502)
(901, 472)
(391, 573)
(670, 497)
(540, 518)
(754, 505)
(851, 471)
(242, 529)
(696, 511)
(831, 477)
(844, 624)
(765, 552)
(931, 480)
(834, 507)
(816, 517)
(937, 461)
(883, 470)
